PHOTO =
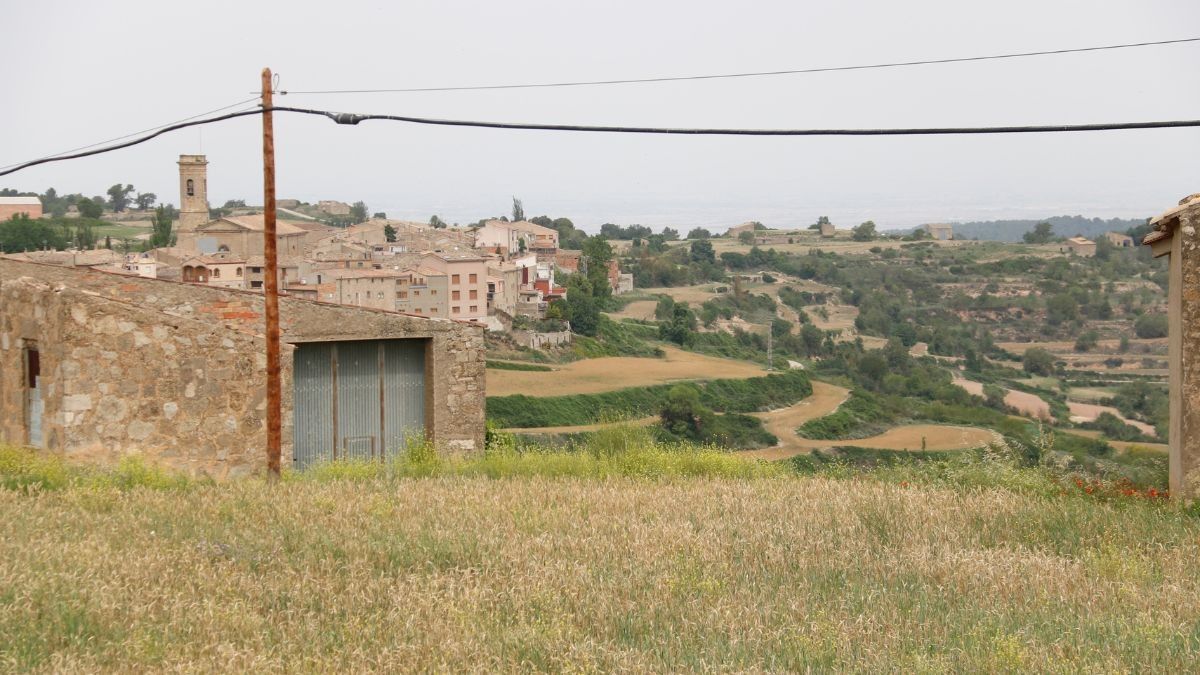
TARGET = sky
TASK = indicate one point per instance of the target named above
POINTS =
(79, 73)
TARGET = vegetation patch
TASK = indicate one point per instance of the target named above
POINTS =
(748, 395)
(516, 365)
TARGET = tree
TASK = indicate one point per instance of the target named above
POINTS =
(437, 223)
(1038, 361)
(864, 232)
(358, 212)
(1042, 233)
(160, 233)
(746, 237)
(670, 234)
(665, 308)
(235, 204)
(118, 197)
(379, 215)
(681, 327)
(823, 220)
(389, 232)
(994, 395)
(1061, 308)
(518, 210)
(597, 254)
(683, 415)
(1151, 326)
(145, 200)
(811, 339)
(702, 252)
(873, 366)
(699, 233)
(1087, 341)
(581, 310)
(89, 208)
(22, 233)
(85, 236)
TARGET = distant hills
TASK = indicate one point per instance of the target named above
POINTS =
(1064, 226)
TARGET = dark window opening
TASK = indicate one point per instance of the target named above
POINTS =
(33, 366)
(191, 188)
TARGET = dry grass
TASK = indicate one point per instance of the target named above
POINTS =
(591, 376)
(907, 437)
(638, 309)
(471, 574)
(696, 295)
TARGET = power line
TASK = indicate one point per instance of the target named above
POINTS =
(768, 73)
(174, 127)
(143, 131)
(351, 118)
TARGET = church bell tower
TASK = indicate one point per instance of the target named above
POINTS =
(193, 195)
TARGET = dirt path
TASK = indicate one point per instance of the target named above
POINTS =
(1088, 412)
(1026, 403)
(826, 399)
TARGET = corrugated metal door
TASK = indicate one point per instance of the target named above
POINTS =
(357, 400)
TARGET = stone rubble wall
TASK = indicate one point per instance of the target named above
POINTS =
(175, 371)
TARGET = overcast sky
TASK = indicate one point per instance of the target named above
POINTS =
(77, 73)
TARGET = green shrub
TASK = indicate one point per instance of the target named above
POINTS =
(513, 365)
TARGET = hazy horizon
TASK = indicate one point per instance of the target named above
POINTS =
(156, 63)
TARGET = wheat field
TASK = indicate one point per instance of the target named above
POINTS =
(477, 574)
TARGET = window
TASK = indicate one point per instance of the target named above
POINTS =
(474, 278)
(379, 295)
(474, 309)
(417, 293)
(239, 271)
(403, 295)
(191, 188)
(455, 309)
(454, 279)
(433, 291)
(255, 284)
(216, 273)
(454, 295)
(474, 294)
(433, 310)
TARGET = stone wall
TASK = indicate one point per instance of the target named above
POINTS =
(538, 340)
(176, 371)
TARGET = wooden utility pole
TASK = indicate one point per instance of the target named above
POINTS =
(271, 283)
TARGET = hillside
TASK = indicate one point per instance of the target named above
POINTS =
(1065, 226)
(133, 572)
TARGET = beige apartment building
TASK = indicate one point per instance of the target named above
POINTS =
(466, 275)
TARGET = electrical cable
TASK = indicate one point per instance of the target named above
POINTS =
(174, 127)
(143, 131)
(769, 73)
(351, 119)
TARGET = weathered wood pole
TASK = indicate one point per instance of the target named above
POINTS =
(271, 284)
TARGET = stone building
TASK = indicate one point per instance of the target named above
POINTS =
(11, 206)
(736, 230)
(517, 238)
(96, 366)
(1175, 236)
(1078, 246)
(243, 236)
(333, 207)
(940, 231)
(1119, 240)
(828, 230)
(193, 196)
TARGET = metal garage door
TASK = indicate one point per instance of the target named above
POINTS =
(357, 400)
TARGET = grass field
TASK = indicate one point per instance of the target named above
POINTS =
(591, 376)
(1021, 401)
(638, 309)
(623, 574)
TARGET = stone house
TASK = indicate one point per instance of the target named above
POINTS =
(940, 231)
(333, 207)
(736, 230)
(1078, 246)
(243, 236)
(828, 230)
(1175, 236)
(96, 366)
(1119, 240)
(11, 206)
(515, 238)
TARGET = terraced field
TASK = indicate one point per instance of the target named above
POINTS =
(591, 376)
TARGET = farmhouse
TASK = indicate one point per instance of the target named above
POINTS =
(940, 231)
(11, 206)
(96, 366)
(1119, 240)
(1175, 236)
(1078, 246)
(736, 230)
(828, 229)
